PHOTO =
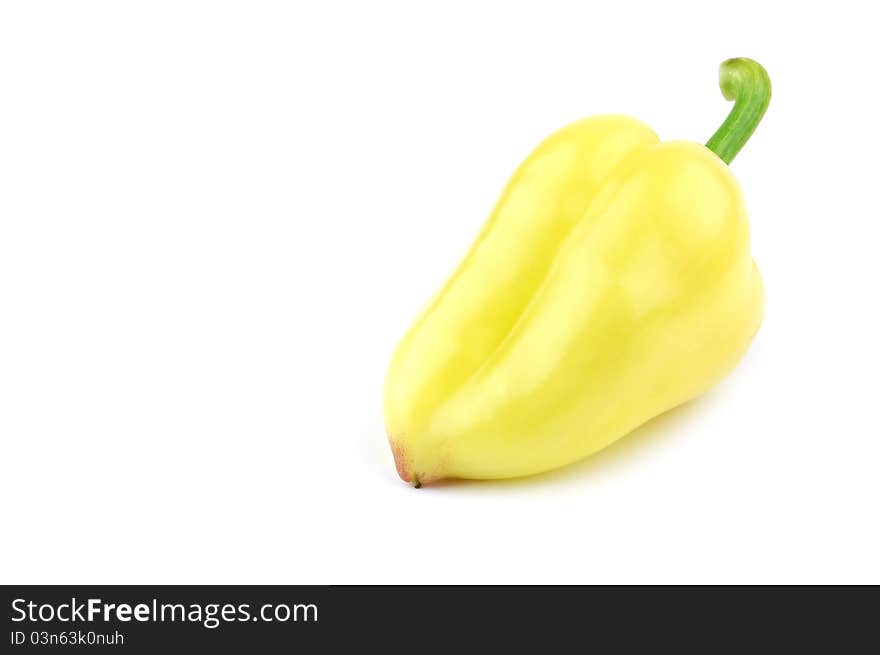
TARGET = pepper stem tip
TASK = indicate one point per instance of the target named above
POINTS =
(747, 83)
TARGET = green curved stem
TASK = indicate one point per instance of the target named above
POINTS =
(746, 83)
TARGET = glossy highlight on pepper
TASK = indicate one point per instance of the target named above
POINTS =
(612, 282)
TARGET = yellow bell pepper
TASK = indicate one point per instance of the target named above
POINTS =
(612, 282)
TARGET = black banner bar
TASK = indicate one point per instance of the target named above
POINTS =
(270, 619)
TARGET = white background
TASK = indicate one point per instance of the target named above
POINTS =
(216, 220)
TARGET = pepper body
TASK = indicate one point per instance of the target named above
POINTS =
(612, 282)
